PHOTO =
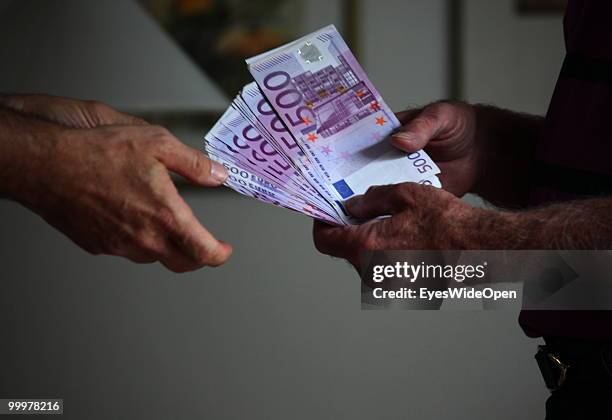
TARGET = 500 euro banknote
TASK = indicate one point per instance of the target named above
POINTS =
(336, 115)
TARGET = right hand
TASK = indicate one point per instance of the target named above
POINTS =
(447, 131)
(105, 184)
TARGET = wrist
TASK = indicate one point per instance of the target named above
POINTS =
(478, 228)
(27, 146)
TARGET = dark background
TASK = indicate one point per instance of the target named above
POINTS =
(276, 333)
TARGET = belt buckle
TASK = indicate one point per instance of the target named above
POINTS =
(553, 369)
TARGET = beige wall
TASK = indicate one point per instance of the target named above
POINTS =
(403, 49)
(510, 60)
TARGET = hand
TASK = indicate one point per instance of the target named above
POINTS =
(105, 184)
(422, 218)
(69, 112)
(447, 132)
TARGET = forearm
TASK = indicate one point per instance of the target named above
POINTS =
(506, 143)
(24, 141)
(581, 224)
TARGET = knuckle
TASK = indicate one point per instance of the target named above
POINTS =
(437, 113)
(158, 173)
(166, 218)
(157, 176)
(147, 243)
(158, 185)
(417, 192)
(162, 133)
(406, 188)
(445, 113)
(424, 124)
(372, 190)
(402, 194)
(199, 164)
(369, 242)
(118, 243)
(160, 137)
(183, 216)
(137, 120)
(97, 106)
(441, 108)
(132, 145)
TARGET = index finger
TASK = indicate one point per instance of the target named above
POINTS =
(382, 200)
(194, 240)
(331, 240)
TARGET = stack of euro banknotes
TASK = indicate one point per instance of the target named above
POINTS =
(311, 131)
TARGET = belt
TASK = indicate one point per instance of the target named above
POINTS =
(564, 361)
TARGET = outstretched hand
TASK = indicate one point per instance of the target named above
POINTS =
(69, 112)
(101, 177)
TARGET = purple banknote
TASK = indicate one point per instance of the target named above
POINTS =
(335, 114)
(311, 131)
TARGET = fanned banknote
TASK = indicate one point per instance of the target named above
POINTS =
(311, 131)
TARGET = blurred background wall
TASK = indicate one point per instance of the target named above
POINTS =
(510, 59)
(278, 332)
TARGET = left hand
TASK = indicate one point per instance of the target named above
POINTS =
(422, 218)
(69, 112)
(101, 177)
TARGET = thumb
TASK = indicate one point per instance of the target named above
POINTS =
(415, 134)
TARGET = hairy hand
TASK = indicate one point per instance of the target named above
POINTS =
(421, 218)
(447, 132)
(102, 179)
(69, 112)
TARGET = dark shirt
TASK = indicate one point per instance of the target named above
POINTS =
(574, 154)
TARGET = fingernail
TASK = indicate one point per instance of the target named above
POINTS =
(218, 172)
